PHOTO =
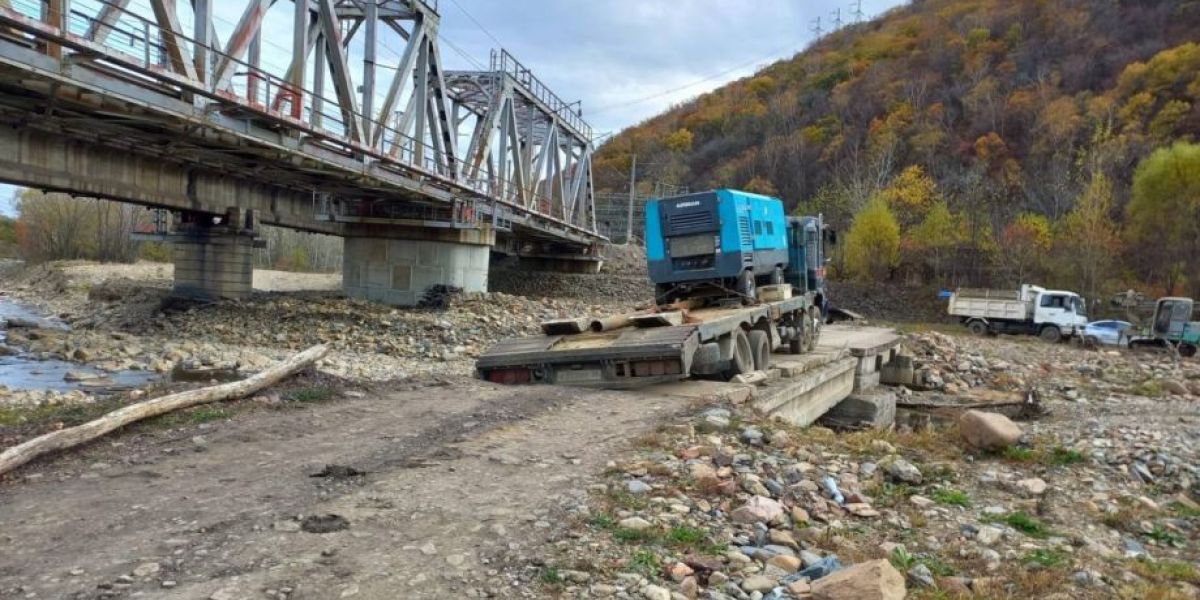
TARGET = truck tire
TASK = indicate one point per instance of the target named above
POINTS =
(746, 287)
(814, 329)
(800, 331)
(1187, 350)
(1051, 334)
(978, 328)
(760, 346)
(777, 276)
(743, 356)
(662, 293)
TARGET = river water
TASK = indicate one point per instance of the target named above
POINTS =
(23, 372)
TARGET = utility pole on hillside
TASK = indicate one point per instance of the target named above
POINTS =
(816, 29)
(632, 197)
(837, 19)
(856, 11)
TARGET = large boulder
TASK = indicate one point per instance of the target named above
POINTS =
(988, 431)
(758, 509)
(873, 580)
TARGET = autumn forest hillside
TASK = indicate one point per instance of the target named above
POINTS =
(968, 141)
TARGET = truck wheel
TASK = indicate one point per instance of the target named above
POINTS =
(1187, 350)
(777, 276)
(662, 293)
(743, 356)
(978, 328)
(760, 346)
(745, 287)
(799, 333)
(1051, 334)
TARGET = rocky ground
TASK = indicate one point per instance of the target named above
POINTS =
(126, 321)
(1094, 500)
(457, 488)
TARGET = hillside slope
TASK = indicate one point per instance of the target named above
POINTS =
(1009, 105)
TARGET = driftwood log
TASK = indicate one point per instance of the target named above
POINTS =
(73, 436)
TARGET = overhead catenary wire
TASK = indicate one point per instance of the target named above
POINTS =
(477, 23)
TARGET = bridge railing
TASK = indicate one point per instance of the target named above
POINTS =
(504, 62)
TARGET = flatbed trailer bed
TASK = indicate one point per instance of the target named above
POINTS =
(645, 353)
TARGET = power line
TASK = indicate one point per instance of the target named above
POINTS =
(688, 85)
(477, 23)
(461, 52)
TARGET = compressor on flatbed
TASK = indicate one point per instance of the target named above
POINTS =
(734, 279)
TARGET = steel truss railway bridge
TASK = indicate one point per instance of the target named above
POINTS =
(330, 116)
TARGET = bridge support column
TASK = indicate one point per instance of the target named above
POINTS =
(398, 271)
(214, 261)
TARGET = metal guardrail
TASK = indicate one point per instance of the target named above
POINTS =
(504, 62)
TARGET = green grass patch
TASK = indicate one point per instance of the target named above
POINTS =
(1167, 570)
(206, 414)
(645, 562)
(951, 497)
(551, 576)
(622, 498)
(602, 521)
(887, 493)
(45, 414)
(1163, 535)
(1046, 558)
(1151, 388)
(635, 536)
(1062, 457)
(903, 561)
(310, 394)
(1184, 511)
(682, 535)
(1018, 454)
(1026, 524)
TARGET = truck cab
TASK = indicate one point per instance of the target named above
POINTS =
(806, 238)
(1065, 310)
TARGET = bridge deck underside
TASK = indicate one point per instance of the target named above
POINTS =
(87, 99)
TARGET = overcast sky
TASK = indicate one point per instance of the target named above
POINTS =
(627, 60)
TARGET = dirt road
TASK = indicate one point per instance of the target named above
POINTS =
(462, 481)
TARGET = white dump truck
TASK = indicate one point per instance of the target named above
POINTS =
(1031, 310)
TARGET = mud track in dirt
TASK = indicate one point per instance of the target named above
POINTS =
(461, 484)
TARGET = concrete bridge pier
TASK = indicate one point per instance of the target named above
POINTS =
(396, 265)
(214, 255)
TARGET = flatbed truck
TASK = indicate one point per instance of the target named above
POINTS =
(711, 342)
(709, 255)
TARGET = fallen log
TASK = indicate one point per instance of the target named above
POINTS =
(67, 438)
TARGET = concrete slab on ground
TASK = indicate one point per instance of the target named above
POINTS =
(712, 391)
(858, 340)
(803, 398)
(874, 408)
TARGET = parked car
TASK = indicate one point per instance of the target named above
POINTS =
(1107, 333)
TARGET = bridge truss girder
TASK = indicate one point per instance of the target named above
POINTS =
(495, 138)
